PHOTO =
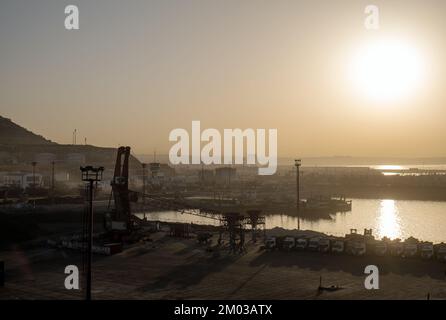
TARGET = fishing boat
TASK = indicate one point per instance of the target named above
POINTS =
(327, 204)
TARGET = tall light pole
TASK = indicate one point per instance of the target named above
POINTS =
(53, 183)
(52, 176)
(74, 136)
(34, 163)
(90, 175)
(297, 164)
(144, 166)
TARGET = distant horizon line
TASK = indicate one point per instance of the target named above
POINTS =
(332, 161)
(324, 157)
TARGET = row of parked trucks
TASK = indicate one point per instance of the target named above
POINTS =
(359, 245)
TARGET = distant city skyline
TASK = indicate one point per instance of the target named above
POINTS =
(135, 71)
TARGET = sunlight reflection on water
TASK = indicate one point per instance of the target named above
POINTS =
(425, 220)
(389, 220)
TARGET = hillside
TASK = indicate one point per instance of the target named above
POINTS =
(20, 146)
(13, 134)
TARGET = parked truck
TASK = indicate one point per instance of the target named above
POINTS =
(356, 243)
(324, 245)
(313, 244)
(338, 245)
(289, 243)
(301, 243)
(396, 248)
(358, 247)
(441, 252)
(426, 250)
(271, 243)
(410, 248)
(380, 248)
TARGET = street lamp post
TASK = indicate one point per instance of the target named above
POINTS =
(52, 176)
(52, 182)
(90, 175)
(34, 163)
(297, 164)
(144, 166)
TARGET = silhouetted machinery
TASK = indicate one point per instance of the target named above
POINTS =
(122, 225)
(120, 219)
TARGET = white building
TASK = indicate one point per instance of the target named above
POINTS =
(20, 179)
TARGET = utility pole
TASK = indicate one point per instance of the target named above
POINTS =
(34, 163)
(144, 165)
(74, 136)
(2, 274)
(90, 238)
(90, 175)
(53, 182)
(202, 175)
(297, 164)
(52, 176)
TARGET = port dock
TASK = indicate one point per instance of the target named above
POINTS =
(181, 268)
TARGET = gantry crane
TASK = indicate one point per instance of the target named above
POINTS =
(121, 220)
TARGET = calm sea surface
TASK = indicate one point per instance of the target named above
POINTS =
(425, 220)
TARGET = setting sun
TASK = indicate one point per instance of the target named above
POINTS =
(387, 70)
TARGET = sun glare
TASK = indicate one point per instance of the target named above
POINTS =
(389, 220)
(387, 70)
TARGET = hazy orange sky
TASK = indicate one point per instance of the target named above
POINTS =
(138, 69)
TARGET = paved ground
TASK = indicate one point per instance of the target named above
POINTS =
(172, 268)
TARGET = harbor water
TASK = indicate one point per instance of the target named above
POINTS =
(425, 220)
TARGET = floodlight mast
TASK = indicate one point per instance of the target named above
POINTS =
(90, 175)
